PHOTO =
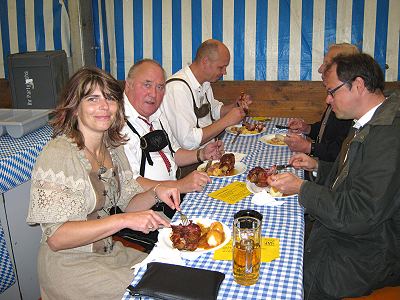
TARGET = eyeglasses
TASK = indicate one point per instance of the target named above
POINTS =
(333, 91)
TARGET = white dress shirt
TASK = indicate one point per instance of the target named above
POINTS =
(366, 117)
(158, 171)
(177, 107)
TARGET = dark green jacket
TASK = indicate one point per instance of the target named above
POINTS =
(354, 246)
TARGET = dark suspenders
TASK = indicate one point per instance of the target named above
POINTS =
(194, 102)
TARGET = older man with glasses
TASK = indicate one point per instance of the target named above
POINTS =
(326, 136)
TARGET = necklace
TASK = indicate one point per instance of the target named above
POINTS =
(102, 168)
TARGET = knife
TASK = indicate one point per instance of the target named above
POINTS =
(208, 165)
(281, 126)
(236, 136)
(281, 167)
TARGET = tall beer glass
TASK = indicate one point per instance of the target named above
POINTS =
(246, 250)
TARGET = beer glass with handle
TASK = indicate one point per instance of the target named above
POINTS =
(246, 249)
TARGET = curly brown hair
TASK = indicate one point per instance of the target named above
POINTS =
(80, 85)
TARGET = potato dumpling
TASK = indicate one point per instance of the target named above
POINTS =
(275, 193)
(215, 238)
(217, 226)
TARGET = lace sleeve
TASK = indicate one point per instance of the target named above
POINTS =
(55, 198)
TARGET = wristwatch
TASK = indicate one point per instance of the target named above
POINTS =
(198, 156)
(312, 151)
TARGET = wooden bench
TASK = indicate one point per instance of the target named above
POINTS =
(386, 293)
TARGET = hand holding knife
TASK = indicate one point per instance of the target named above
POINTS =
(281, 126)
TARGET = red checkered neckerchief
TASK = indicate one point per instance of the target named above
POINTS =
(162, 154)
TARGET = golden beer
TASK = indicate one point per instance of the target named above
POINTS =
(246, 254)
(246, 263)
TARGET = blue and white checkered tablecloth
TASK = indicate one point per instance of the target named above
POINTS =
(17, 157)
(7, 276)
(281, 278)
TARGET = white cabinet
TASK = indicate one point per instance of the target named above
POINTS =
(22, 241)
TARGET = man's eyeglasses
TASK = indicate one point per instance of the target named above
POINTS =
(332, 92)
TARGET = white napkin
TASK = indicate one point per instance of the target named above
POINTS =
(238, 156)
(265, 199)
(163, 254)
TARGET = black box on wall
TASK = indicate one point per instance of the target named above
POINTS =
(37, 78)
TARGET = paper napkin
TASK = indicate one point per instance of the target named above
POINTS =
(161, 253)
(238, 156)
(232, 193)
(269, 250)
(261, 119)
(265, 199)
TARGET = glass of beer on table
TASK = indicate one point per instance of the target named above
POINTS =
(246, 249)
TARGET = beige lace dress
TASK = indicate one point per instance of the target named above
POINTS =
(65, 189)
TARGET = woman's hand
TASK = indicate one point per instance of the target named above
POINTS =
(303, 161)
(144, 221)
(168, 195)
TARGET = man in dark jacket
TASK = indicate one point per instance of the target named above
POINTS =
(327, 135)
(354, 247)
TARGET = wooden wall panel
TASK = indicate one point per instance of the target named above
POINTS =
(305, 99)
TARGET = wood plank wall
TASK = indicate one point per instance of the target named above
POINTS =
(305, 99)
(5, 94)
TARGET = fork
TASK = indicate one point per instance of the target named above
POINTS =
(184, 219)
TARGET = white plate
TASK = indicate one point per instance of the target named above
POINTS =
(240, 168)
(266, 138)
(253, 188)
(164, 236)
(229, 130)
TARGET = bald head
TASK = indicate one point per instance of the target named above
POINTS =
(333, 51)
(211, 49)
(143, 64)
(211, 60)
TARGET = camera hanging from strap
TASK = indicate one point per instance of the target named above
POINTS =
(201, 111)
(154, 141)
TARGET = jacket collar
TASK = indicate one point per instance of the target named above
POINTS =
(387, 112)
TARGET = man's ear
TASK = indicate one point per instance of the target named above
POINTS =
(359, 84)
(127, 84)
(205, 61)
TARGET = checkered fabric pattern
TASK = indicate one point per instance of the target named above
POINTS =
(7, 277)
(17, 157)
(281, 278)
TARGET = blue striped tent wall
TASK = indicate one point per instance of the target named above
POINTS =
(27, 25)
(268, 39)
